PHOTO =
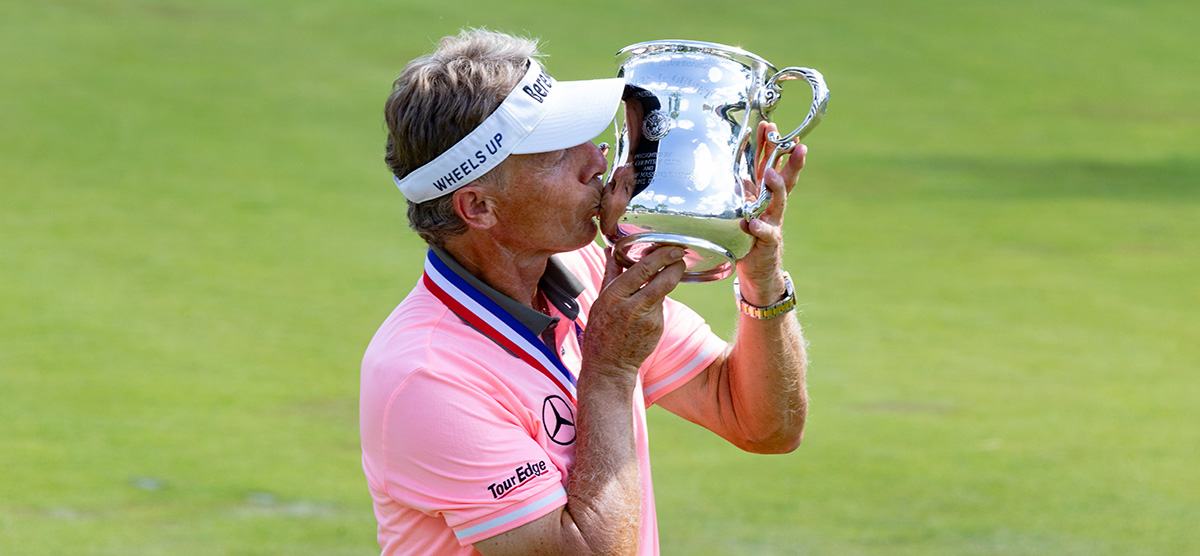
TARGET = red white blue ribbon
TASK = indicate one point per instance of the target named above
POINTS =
(493, 321)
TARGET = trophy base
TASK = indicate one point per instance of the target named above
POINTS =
(706, 261)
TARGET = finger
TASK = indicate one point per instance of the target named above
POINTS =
(764, 147)
(781, 153)
(765, 234)
(779, 193)
(662, 283)
(750, 191)
(634, 277)
(795, 162)
(612, 268)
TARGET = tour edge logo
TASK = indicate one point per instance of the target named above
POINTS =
(520, 476)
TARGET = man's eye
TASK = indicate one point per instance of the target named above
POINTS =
(553, 158)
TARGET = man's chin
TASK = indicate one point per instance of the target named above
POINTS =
(594, 226)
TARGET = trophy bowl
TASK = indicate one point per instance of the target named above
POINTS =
(688, 126)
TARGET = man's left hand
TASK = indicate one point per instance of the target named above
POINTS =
(761, 271)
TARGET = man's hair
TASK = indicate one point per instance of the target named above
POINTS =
(440, 98)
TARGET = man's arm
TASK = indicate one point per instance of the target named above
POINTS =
(754, 395)
(603, 510)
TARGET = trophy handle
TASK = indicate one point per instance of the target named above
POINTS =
(786, 143)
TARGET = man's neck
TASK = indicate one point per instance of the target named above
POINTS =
(512, 273)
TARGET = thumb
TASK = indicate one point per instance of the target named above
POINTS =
(612, 268)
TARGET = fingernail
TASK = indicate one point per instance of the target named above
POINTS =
(677, 253)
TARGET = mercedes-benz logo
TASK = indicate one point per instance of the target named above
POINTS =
(558, 418)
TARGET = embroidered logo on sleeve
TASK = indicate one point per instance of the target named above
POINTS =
(520, 476)
(559, 420)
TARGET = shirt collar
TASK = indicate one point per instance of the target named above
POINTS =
(558, 284)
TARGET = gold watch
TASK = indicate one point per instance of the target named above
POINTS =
(773, 310)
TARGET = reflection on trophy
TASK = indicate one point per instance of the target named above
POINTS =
(690, 117)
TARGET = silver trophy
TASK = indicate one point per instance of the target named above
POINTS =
(691, 113)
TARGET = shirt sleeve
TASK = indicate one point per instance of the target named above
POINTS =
(454, 449)
(688, 345)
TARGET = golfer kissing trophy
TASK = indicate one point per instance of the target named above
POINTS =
(691, 113)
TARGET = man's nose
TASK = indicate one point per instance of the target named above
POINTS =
(601, 155)
(597, 163)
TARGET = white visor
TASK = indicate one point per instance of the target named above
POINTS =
(539, 115)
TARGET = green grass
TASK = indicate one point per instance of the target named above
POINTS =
(997, 244)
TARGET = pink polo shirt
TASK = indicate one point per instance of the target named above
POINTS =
(463, 437)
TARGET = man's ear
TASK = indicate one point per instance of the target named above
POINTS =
(474, 206)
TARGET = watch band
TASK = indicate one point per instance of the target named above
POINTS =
(773, 310)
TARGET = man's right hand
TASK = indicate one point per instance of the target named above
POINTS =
(626, 321)
(603, 511)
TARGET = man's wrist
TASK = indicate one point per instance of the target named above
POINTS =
(761, 288)
(772, 306)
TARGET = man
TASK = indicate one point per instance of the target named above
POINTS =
(503, 401)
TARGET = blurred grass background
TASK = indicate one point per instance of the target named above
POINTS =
(996, 241)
